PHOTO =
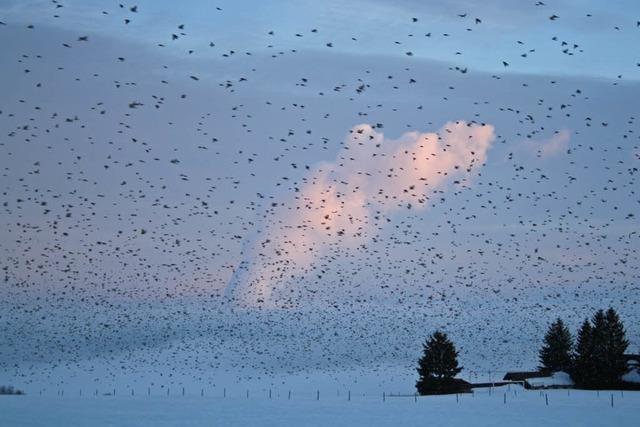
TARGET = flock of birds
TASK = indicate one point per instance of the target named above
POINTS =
(179, 208)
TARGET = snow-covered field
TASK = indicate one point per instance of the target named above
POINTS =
(503, 406)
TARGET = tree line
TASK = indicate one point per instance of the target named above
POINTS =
(8, 389)
(596, 359)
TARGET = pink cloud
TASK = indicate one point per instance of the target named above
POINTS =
(339, 200)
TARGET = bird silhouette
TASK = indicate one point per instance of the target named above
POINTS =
(242, 202)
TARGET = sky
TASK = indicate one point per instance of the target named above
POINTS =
(285, 186)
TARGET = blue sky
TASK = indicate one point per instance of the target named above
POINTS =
(605, 33)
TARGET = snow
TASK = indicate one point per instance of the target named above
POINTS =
(560, 379)
(633, 376)
(483, 408)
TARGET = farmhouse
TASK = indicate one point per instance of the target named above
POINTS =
(548, 380)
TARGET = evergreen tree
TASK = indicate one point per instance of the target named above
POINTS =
(599, 350)
(440, 358)
(583, 356)
(617, 343)
(555, 354)
(599, 357)
(438, 365)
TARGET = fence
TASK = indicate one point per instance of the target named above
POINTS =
(506, 393)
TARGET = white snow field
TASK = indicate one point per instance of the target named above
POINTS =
(508, 405)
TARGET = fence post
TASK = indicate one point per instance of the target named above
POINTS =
(148, 391)
(612, 400)
(247, 393)
(269, 393)
(318, 395)
(456, 397)
(289, 397)
(349, 396)
(224, 393)
(201, 392)
(504, 400)
(383, 397)
(546, 399)
(415, 396)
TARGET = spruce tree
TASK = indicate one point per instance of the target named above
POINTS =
(555, 354)
(438, 365)
(617, 343)
(583, 356)
(599, 350)
(599, 357)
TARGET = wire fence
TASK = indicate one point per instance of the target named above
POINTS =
(506, 393)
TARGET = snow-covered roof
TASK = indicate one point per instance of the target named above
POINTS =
(557, 379)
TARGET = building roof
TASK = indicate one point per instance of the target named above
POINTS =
(523, 375)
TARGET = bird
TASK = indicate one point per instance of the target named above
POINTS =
(268, 208)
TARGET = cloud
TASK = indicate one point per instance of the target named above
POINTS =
(342, 204)
(558, 143)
